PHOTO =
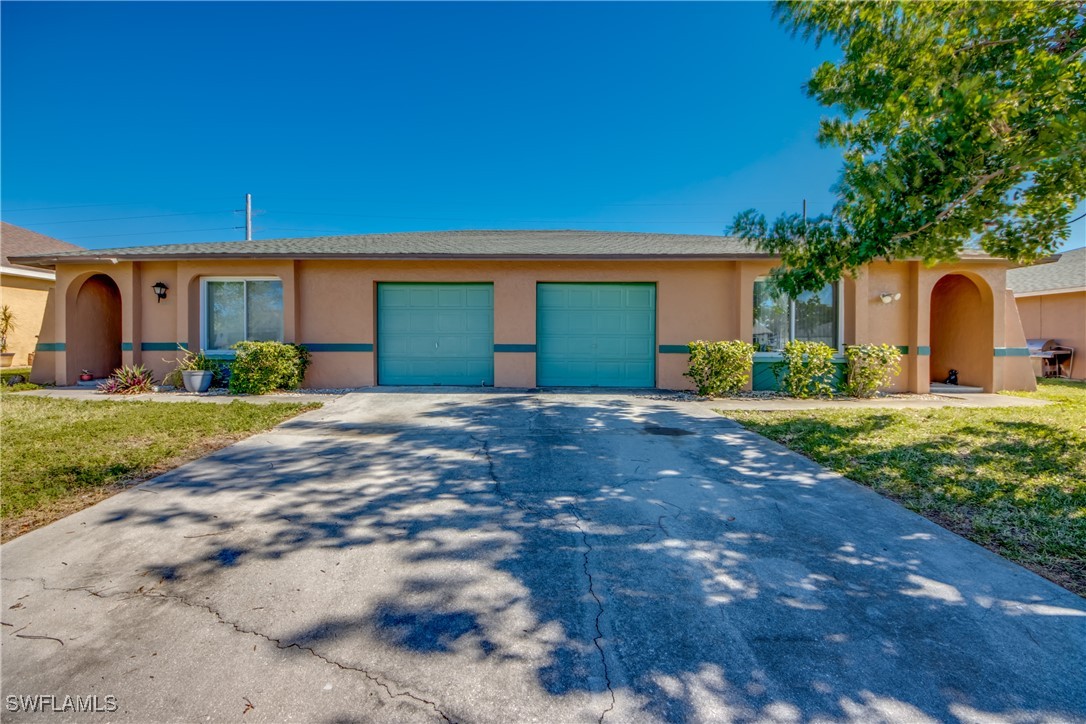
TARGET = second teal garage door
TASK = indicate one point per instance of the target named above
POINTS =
(596, 335)
(435, 334)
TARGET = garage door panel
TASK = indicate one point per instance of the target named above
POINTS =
(610, 299)
(610, 348)
(640, 299)
(600, 335)
(435, 334)
(479, 298)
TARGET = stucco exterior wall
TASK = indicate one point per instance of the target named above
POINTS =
(27, 299)
(331, 306)
(694, 300)
(1057, 316)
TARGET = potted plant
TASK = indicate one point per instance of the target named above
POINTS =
(7, 324)
(197, 371)
(85, 376)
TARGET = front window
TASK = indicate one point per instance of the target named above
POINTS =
(778, 319)
(236, 310)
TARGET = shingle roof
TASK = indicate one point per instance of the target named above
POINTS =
(17, 241)
(441, 244)
(1067, 272)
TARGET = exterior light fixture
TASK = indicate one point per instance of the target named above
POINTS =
(887, 297)
(160, 290)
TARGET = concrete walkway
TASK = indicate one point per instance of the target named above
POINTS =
(723, 404)
(769, 404)
(515, 557)
(85, 393)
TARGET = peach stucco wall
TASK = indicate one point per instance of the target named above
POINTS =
(1061, 317)
(27, 299)
(693, 300)
(333, 302)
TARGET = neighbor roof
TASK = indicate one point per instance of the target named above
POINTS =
(436, 245)
(19, 242)
(1066, 274)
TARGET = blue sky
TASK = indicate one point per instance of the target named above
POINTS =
(365, 117)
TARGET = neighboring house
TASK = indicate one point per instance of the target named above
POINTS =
(1052, 304)
(515, 309)
(25, 289)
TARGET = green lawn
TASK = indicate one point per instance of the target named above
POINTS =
(11, 372)
(57, 456)
(1010, 479)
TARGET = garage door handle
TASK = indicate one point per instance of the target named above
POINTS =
(435, 345)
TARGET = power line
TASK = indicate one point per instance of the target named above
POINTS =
(153, 233)
(90, 206)
(125, 218)
(507, 221)
(1083, 216)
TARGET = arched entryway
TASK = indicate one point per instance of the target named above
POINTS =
(94, 328)
(961, 332)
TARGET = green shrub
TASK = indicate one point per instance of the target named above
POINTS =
(871, 367)
(128, 381)
(720, 368)
(260, 367)
(807, 369)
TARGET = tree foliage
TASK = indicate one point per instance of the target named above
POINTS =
(962, 124)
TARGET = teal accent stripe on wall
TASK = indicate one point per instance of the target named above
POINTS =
(674, 349)
(337, 347)
(923, 351)
(126, 346)
(50, 347)
(1011, 351)
(158, 346)
(514, 348)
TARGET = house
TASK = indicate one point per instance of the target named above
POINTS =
(1051, 302)
(25, 289)
(514, 309)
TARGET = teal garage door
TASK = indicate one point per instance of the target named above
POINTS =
(596, 335)
(435, 334)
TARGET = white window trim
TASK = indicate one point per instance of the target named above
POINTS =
(840, 331)
(245, 308)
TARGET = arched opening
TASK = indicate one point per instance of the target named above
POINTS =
(94, 330)
(961, 332)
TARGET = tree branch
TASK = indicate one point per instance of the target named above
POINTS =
(946, 212)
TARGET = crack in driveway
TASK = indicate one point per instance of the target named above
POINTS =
(597, 640)
(376, 680)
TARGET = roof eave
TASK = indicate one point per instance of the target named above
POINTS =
(1045, 292)
(47, 261)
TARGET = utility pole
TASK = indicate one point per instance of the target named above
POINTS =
(249, 216)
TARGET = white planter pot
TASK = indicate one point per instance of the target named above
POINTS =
(197, 380)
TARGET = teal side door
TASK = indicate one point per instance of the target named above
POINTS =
(435, 334)
(596, 335)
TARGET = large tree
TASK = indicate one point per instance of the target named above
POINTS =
(962, 124)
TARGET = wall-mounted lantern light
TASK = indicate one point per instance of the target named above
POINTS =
(887, 297)
(160, 290)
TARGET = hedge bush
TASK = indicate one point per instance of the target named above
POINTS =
(870, 368)
(261, 367)
(720, 368)
(807, 369)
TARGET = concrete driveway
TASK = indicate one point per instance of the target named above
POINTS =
(516, 557)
